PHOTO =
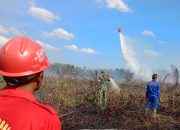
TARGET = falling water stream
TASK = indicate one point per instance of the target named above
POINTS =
(132, 63)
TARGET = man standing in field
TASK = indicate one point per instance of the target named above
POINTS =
(152, 94)
(103, 81)
(22, 62)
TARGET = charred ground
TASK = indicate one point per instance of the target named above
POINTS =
(77, 106)
(75, 99)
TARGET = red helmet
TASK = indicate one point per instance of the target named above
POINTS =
(21, 56)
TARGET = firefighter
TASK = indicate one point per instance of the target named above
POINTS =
(22, 62)
(152, 94)
(103, 81)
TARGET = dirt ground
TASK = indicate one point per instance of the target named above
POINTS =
(89, 116)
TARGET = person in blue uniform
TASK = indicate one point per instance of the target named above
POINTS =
(152, 94)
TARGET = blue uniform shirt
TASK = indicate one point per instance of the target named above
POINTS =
(153, 88)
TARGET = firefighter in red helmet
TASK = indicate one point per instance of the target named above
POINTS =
(22, 62)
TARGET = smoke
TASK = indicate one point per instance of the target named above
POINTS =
(141, 71)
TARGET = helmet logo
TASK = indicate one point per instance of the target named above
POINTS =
(40, 55)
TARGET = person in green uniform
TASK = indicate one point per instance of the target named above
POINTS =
(103, 81)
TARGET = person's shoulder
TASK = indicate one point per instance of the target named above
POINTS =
(148, 82)
(46, 108)
(158, 82)
(47, 115)
(153, 82)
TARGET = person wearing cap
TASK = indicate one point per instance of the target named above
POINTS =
(152, 94)
(22, 62)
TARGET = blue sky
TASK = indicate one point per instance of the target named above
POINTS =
(84, 32)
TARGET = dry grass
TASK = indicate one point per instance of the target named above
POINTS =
(125, 109)
(76, 103)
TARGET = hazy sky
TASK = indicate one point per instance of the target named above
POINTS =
(84, 32)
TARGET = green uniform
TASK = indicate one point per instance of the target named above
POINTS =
(103, 88)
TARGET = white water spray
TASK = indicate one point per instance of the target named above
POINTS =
(140, 71)
(114, 84)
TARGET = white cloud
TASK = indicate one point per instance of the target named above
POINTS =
(10, 31)
(60, 33)
(148, 33)
(88, 51)
(43, 14)
(151, 53)
(119, 5)
(3, 40)
(47, 46)
(81, 50)
(72, 47)
(99, 1)
(15, 31)
(3, 30)
(162, 42)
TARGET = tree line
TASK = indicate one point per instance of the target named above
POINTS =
(58, 69)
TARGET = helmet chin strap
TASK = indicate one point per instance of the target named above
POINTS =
(39, 80)
(19, 81)
(12, 82)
